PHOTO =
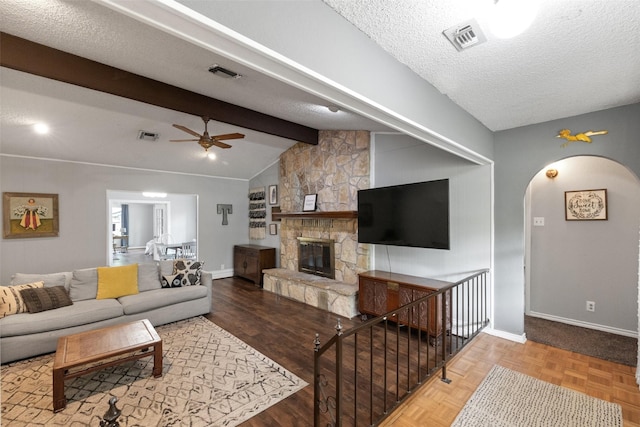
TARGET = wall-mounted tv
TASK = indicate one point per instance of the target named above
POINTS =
(415, 215)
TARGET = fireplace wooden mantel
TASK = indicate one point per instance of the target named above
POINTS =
(276, 216)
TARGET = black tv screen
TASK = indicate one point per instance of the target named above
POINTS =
(415, 215)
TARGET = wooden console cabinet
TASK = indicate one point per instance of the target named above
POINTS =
(250, 260)
(381, 292)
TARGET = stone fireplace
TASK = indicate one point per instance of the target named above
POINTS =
(316, 256)
(335, 170)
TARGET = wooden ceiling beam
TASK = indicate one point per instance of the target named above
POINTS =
(34, 58)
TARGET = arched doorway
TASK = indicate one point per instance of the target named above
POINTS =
(572, 262)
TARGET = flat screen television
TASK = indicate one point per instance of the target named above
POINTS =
(415, 215)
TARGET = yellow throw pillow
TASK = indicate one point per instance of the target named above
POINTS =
(115, 282)
(11, 301)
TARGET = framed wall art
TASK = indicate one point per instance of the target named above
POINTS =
(309, 203)
(585, 205)
(273, 194)
(29, 215)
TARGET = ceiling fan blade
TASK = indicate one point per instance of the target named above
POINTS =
(187, 130)
(183, 140)
(228, 136)
(220, 144)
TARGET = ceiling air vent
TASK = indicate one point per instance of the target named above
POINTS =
(465, 35)
(223, 72)
(148, 136)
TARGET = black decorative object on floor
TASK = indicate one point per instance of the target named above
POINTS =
(603, 345)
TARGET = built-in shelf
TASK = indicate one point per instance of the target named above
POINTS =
(276, 216)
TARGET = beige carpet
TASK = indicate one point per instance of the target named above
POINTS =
(506, 398)
(210, 378)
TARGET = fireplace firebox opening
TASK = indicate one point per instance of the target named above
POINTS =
(316, 256)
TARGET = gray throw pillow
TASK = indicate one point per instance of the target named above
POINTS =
(148, 277)
(50, 280)
(84, 284)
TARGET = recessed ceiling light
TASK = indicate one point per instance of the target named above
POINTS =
(41, 128)
(333, 108)
(511, 18)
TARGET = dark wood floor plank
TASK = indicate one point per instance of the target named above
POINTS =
(281, 329)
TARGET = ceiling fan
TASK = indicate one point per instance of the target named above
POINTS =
(205, 140)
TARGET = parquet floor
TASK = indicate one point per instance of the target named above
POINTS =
(284, 330)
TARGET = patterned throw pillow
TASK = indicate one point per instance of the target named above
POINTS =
(172, 281)
(10, 300)
(190, 270)
(42, 299)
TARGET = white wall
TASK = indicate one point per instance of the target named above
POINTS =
(398, 159)
(572, 262)
(82, 190)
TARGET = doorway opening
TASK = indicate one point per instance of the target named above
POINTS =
(572, 265)
(138, 225)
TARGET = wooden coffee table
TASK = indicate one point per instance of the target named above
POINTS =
(101, 348)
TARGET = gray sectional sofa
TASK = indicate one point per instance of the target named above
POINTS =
(29, 334)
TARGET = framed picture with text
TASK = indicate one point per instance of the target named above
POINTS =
(309, 203)
(585, 205)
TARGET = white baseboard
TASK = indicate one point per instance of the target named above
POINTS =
(610, 329)
(221, 274)
(506, 335)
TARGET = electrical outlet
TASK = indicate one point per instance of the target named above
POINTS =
(538, 221)
(591, 306)
(221, 266)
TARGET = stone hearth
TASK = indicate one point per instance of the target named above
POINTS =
(327, 294)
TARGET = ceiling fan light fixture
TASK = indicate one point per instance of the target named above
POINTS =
(224, 72)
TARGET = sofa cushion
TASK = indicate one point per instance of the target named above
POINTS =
(80, 313)
(42, 299)
(11, 301)
(190, 269)
(115, 282)
(148, 277)
(84, 284)
(150, 300)
(50, 280)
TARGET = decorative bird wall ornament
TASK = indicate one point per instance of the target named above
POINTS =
(582, 137)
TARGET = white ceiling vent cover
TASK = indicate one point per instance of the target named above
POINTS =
(465, 35)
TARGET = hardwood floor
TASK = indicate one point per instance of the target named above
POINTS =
(284, 330)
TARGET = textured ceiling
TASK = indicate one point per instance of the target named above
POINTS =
(578, 56)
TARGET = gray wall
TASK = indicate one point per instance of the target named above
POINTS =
(82, 192)
(519, 154)
(399, 159)
(140, 224)
(313, 35)
(270, 176)
(572, 262)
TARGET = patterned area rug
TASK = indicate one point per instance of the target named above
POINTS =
(209, 378)
(506, 398)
